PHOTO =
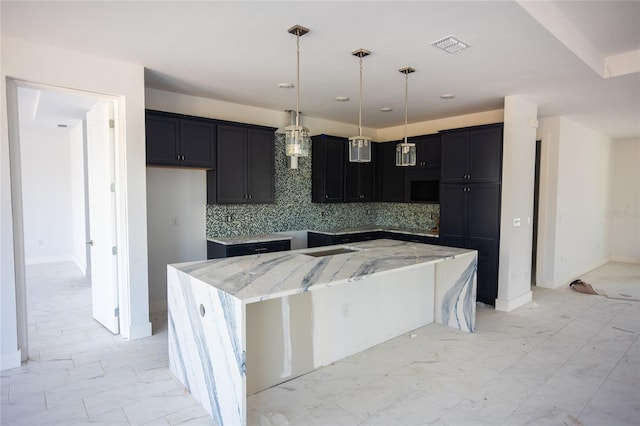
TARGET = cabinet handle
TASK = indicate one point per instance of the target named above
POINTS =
(261, 249)
(326, 196)
(177, 157)
(249, 196)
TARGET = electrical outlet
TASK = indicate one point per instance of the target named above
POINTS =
(174, 221)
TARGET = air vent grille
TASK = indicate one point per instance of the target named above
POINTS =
(450, 44)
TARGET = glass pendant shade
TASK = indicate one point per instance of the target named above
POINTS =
(297, 140)
(406, 154)
(359, 149)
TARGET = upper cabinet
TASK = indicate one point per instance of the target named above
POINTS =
(391, 184)
(245, 171)
(472, 155)
(427, 151)
(334, 179)
(327, 168)
(359, 178)
(176, 140)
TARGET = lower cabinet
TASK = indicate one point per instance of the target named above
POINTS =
(316, 239)
(217, 250)
(470, 218)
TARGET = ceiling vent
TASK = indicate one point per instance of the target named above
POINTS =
(450, 44)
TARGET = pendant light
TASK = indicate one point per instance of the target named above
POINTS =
(360, 146)
(297, 137)
(406, 152)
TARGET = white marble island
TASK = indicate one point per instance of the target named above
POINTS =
(240, 325)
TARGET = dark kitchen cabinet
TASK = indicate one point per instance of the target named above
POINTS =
(245, 171)
(217, 250)
(391, 178)
(427, 151)
(472, 154)
(327, 168)
(317, 239)
(360, 179)
(470, 218)
(176, 140)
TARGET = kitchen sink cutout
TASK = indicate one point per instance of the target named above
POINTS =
(331, 252)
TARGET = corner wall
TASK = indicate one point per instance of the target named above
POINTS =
(516, 228)
(575, 187)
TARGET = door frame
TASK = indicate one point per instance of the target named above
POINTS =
(17, 203)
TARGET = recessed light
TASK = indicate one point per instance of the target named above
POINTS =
(447, 96)
(63, 126)
(342, 98)
(386, 109)
(450, 44)
(285, 85)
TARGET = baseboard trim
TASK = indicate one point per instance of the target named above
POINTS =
(140, 331)
(564, 281)
(515, 303)
(624, 259)
(10, 360)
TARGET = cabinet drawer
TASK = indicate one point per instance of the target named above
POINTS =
(216, 250)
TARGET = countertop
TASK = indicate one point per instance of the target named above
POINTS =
(265, 276)
(342, 231)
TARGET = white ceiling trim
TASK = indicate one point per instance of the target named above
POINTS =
(554, 21)
(622, 64)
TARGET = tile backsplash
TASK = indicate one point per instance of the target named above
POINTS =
(293, 209)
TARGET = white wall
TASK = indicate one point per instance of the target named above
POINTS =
(518, 176)
(78, 218)
(624, 211)
(34, 62)
(46, 194)
(176, 205)
(575, 187)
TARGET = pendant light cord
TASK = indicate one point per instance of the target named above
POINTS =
(406, 96)
(360, 113)
(297, 80)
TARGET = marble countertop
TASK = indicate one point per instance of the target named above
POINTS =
(342, 231)
(248, 239)
(265, 276)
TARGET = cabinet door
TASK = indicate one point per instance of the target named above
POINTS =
(260, 166)
(453, 214)
(427, 151)
(487, 284)
(483, 206)
(454, 156)
(368, 177)
(485, 154)
(352, 181)
(327, 180)
(197, 143)
(231, 160)
(162, 135)
(390, 177)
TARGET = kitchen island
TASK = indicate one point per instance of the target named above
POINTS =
(240, 325)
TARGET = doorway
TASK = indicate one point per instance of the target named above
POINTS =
(536, 199)
(61, 191)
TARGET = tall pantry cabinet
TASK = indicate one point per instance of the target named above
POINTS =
(471, 173)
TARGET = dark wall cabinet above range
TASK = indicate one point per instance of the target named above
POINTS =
(427, 151)
(390, 177)
(359, 178)
(179, 141)
(245, 171)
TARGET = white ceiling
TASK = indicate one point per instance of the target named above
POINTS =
(239, 51)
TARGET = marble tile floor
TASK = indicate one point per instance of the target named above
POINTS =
(564, 359)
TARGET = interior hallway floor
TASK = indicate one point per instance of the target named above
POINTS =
(564, 359)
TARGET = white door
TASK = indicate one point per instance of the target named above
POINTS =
(102, 215)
